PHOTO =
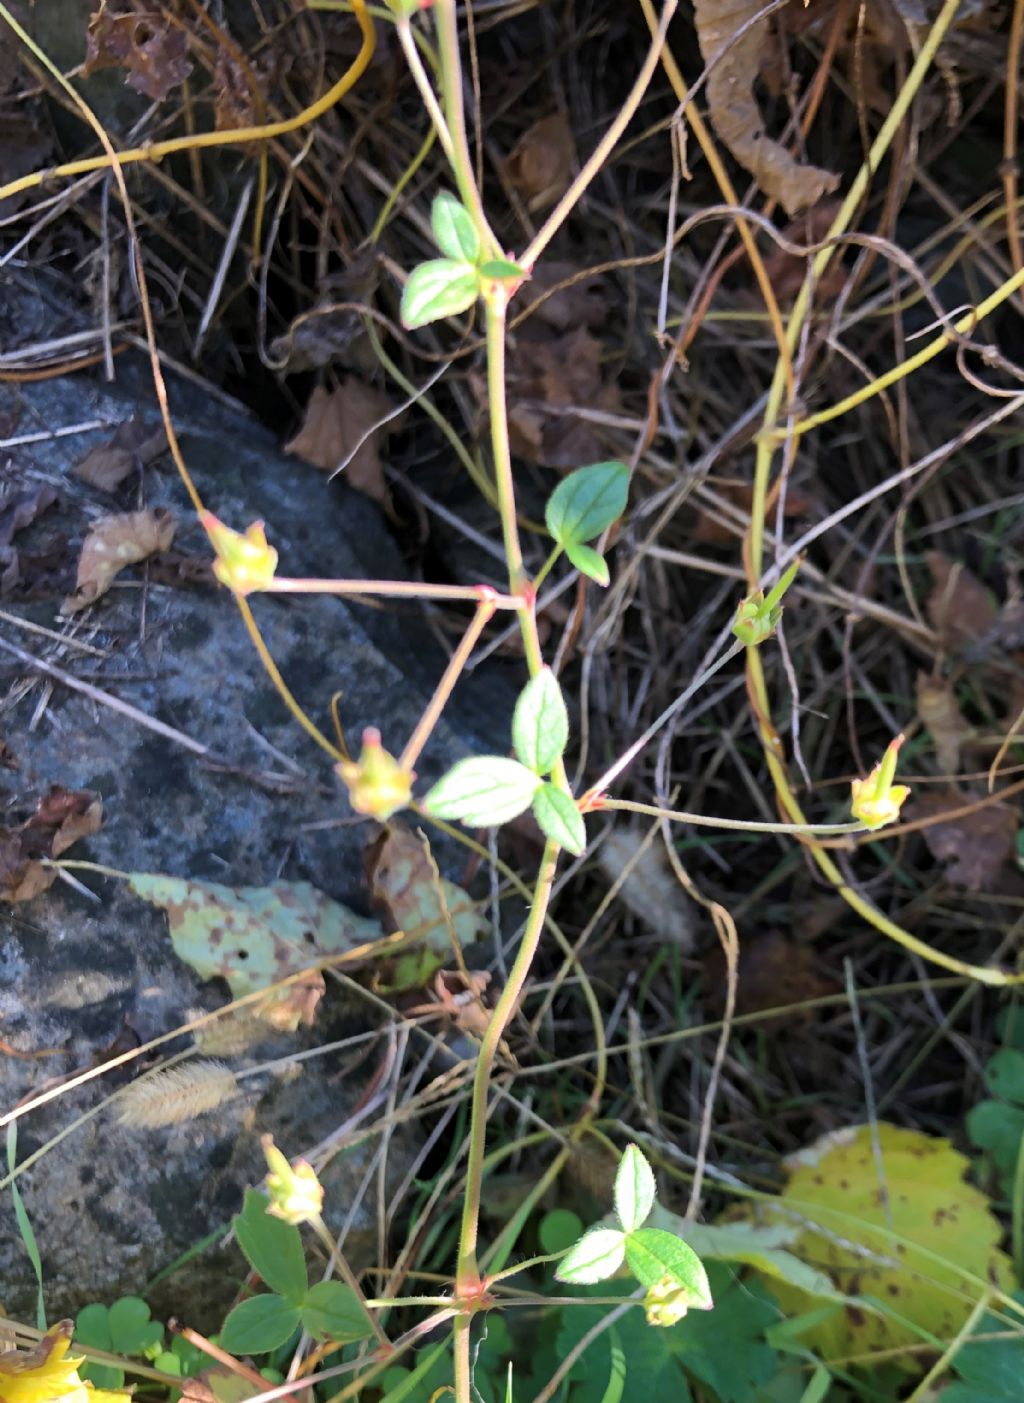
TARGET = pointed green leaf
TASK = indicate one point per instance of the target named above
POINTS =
(596, 1256)
(587, 502)
(588, 562)
(502, 270)
(653, 1253)
(332, 1312)
(272, 1246)
(634, 1189)
(540, 725)
(259, 1325)
(454, 230)
(560, 819)
(483, 791)
(436, 289)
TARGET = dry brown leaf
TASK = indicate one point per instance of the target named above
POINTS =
(343, 422)
(582, 301)
(153, 50)
(408, 894)
(19, 508)
(547, 381)
(775, 971)
(540, 164)
(113, 543)
(734, 61)
(937, 709)
(62, 817)
(133, 443)
(959, 606)
(977, 844)
(787, 271)
(712, 531)
(26, 145)
(458, 995)
(651, 891)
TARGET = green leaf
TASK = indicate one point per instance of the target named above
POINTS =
(634, 1189)
(509, 1396)
(259, 1325)
(652, 1253)
(990, 1370)
(132, 1331)
(587, 502)
(332, 1312)
(755, 1245)
(483, 791)
(454, 230)
(1005, 1075)
(559, 1229)
(560, 819)
(436, 289)
(617, 1374)
(540, 723)
(273, 1247)
(596, 1256)
(92, 1327)
(998, 1129)
(725, 1348)
(502, 270)
(588, 562)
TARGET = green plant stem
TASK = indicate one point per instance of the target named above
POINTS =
(443, 690)
(746, 825)
(468, 1278)
(393, 589)
(496, 306)
(426, 91)
(461, 157)
(606, 145)
(1017, 1214)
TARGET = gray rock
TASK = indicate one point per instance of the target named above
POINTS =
(112, 1207)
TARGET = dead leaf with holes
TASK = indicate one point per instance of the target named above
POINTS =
(254, 937)
(939, 711)
(732, 41)
(540, 165)
(62, 817)
(134, 444)
(899, 1227)
(347, 426)
(976, 844)
(961, 609)
(113, 543)
(146, 43)
(410, 896)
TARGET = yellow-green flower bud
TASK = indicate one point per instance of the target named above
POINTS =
(244, 563)
(668, 1300)
(876, 801)
(377, 784)
(296, 1194)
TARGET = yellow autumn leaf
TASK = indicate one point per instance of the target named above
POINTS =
(48, 1374)
(901, 1232)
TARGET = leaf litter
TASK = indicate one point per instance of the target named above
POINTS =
(113, 543)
